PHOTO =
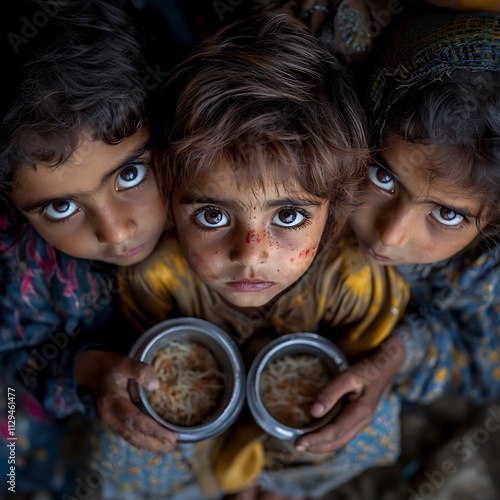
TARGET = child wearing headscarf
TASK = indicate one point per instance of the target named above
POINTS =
(431, 208)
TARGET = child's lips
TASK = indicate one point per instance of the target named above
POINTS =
(130, 253)
(249, 285)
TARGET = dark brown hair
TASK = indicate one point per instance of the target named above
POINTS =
(264, 97)
(82, 75)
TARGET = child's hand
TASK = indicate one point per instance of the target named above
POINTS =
(362, 385)
(107, 374)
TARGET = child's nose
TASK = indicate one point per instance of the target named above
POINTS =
(114, 226)
(394, 228)
(249, 248)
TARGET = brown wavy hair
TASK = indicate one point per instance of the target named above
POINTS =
(264, 96)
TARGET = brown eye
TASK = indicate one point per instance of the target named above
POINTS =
(60, 209)
(446, 216)
(131, 176)
(128, 174)
(288, 217)
(381, 178)
(61, 206)
(212, 217)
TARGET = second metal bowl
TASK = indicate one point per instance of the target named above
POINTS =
(292, 344)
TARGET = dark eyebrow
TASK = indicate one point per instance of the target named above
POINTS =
(232, 205)
(294, 201)
(35, 204)
(379, 160)
(202, 200)
(459, 210)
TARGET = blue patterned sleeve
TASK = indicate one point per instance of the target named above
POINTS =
(451, 331)
(49, 304)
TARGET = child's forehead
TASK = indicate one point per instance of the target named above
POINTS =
(429, 173)
(423, 162)
(247, 180)
(85, 171)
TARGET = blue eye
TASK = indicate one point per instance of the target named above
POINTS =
(381, 178)
(288, 217)
(58, 210)
(131, 176)
(447, 216)
(212, 217)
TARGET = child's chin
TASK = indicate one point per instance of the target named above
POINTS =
(249, 301)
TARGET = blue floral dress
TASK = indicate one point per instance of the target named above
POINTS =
(51, 307)
(451, 329)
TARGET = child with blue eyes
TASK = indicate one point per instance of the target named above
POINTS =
(79, 199)
(431, 209)
(260, 149)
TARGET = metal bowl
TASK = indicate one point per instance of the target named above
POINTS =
(225, 352)
(292, 344)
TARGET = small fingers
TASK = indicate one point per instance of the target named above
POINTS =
(143, 374)
(126, 420)
(344, 383)
(145, 433)
(333, 436)
(331, 439)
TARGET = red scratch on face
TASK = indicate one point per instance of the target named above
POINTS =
(252, 237)
(305, 253)
(292, 260)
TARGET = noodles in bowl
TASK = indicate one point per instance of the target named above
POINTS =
(190, 383)
(289, 386)
(285, 379)
(202, 378)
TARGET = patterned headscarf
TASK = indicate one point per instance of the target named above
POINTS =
(427, 45)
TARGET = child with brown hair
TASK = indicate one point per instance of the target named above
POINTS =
(261, 149)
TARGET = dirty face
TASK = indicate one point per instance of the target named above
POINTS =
(248, 243)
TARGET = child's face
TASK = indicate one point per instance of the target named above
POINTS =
(409, 217)
(248, 243)
(103, 204)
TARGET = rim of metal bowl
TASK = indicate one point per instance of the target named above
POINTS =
(219, 423)
(262, 416)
